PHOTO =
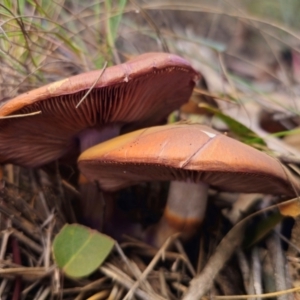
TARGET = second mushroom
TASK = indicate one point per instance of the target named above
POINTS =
(193, 157)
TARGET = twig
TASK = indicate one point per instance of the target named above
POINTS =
(21, 115)
(150, 267)
(203, 282)
(90, 89)
(89, 287)
(6, 234)
(30, 287)
(124, 280)
(277, 257)
(256, 273)
(130, 266)
(181, 250)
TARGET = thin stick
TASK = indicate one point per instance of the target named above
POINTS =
(150, 267)
(263, 296)
(181, 250)
(129, 264)
(90, 89)
(21, 115)
(27, 241)
(6, 234)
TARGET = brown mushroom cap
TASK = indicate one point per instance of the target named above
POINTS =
(142, 91)
(181, 151)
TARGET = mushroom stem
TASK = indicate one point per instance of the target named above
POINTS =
(99, 211)
(184, 211)
(93, 136)
(94, 212)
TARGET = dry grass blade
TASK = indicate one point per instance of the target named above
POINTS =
(89, 287)
(125, 259)
(181, 250)
(5, 236)
(262, 296)
(21, 116)
(124, 280)
(203, 282)
(100, 295)
(230, 243)
(28, 227)
(159, 255)
(90, 89)
(34, 272)
(27, 241)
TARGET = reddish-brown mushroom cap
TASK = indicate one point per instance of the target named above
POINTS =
(142, 91)
(192, 157)
(180, 151)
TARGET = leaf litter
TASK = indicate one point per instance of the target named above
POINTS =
(34, 205)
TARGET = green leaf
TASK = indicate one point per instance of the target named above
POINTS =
(261, 228)
(79, 250)
(245, 134)
(277, 213)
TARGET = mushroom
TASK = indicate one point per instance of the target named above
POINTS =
(138, 93)
(193, 157)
